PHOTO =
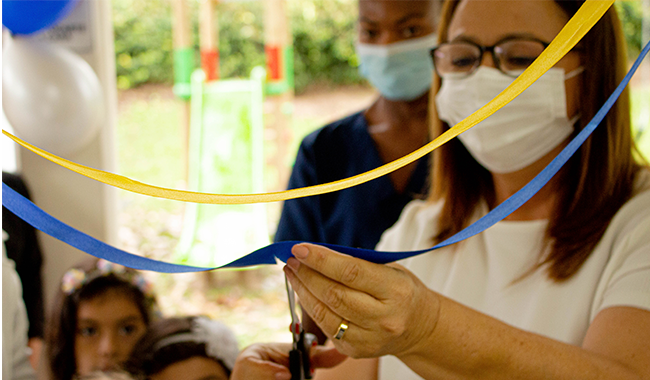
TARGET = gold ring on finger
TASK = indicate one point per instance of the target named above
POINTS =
(343, 327)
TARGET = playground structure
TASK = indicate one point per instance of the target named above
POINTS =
(225, 129)
(226, 156)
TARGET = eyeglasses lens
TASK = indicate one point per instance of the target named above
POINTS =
(515, 56)
(512, 56)
(456, 58)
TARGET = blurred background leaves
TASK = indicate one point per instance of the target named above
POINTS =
(323, 32)
(631, 14)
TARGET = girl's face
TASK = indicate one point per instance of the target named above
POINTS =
(108, 327)
(196, 368)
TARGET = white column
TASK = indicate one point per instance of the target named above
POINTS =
(76, 200)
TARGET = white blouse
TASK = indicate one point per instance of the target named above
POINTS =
(482, 272)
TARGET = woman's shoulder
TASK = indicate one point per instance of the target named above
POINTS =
(638, 206)
(642, 182)
(414, 229)
(635, 212)
(624, 249)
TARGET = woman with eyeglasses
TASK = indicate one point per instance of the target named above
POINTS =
(559, 289)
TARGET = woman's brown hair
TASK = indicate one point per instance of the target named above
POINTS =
(595, 182)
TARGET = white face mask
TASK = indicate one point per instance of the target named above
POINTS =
(520, 133)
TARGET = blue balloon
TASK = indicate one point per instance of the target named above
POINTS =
(31, 16)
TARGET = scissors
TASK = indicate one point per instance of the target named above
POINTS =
(299, 364)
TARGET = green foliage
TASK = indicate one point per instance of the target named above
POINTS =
(631, 14)
(323, 32)
(241, 37)
(143, 42)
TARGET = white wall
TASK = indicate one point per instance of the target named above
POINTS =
(76, 200)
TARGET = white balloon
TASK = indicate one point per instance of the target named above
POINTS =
(51, 97)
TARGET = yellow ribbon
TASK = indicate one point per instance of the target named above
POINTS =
(586, 17)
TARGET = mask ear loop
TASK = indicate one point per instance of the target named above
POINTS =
(574, 73)
(575, 119)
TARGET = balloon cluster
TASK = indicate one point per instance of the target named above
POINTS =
(51, 96)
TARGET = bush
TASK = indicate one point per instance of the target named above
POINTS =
(631, 15)
(323, 30)
(241, 37)
(323, 38)
(143, 42)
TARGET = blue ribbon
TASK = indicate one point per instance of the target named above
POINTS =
(41, 220)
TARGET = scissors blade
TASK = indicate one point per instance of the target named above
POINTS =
(295, 320)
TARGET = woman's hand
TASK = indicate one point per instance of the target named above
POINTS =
(271, 361)
(387, 309)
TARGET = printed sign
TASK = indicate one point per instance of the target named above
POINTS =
(74, 32)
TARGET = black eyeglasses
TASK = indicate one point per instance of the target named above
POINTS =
(511, 56)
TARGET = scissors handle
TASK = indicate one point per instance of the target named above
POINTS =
(309, 341)
(296, 364)
(299, 360)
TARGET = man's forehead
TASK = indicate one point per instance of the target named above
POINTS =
(379, 7)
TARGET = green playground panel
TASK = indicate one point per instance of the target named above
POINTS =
(227, 157)
(183, 68)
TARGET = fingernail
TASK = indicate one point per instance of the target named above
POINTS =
(300, 251)
(289, 272)
(282, 376)
(293, 264)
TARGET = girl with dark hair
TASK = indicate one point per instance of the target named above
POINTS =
(189, 348)
(100, 312)
(559, 289)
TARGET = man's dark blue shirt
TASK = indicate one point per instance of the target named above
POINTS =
(354, 217)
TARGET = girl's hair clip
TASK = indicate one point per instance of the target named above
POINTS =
(220, 342)
(107, 267)
(74, 279)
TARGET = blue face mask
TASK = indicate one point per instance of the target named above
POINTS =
(401, 70)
